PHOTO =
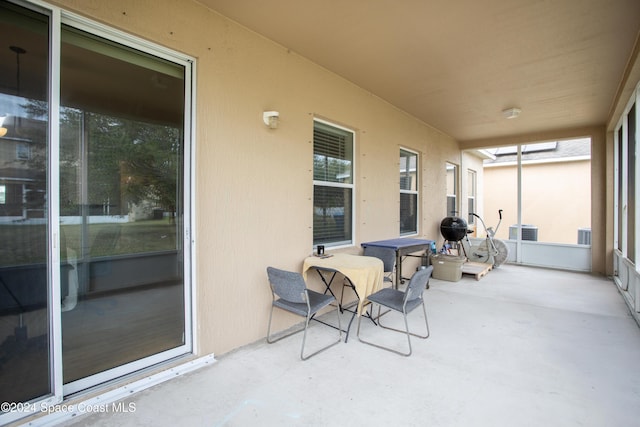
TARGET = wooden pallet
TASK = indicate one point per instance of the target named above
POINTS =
(478, 269)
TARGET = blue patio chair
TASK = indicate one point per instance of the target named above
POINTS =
(402, 302)
(388, 257)
(289, 292)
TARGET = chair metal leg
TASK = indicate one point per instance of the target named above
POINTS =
(406, 331)
(304, 337)
(379, 314)
(353, 316)
(269, 339)
(424, 310)
(350, 306)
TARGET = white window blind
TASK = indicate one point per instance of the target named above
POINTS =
(333, 184)
(408, 192)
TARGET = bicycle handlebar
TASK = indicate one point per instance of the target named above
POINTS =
(499, 214)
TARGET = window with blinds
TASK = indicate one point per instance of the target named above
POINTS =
(471, 195)
(408, 192)
(333, 184)
(452, 189)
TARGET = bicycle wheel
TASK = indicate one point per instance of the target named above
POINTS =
(480, 253)
(503, 252)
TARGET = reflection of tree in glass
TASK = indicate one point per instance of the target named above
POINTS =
(152, 166)
(331, 169)
(129, 162)
(35, 132)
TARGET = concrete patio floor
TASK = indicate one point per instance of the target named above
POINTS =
(521, 347)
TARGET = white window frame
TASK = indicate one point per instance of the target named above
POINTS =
(472, 194)
(415, 192)
(125, 39)
(58, 17)
(454, 195)
(352, 186)
(621, 162)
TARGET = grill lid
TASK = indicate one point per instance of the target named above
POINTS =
(453, 228)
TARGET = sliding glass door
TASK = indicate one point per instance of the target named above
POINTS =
(121, 204)
(25, 312)
(100, 170)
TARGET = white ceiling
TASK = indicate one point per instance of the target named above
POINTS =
(456, 64)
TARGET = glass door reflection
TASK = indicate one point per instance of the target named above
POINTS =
(25, 342)
(121, 209)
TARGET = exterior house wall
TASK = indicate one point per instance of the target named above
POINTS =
(254, 185)
(601, 202)
(556, 198)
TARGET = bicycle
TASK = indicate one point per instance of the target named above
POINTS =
(489, 251)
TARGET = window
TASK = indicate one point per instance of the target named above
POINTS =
(3, 194)
(620, 180)
(333, 186)
(471, 196)
(631, 181)
(408, 192)
(452, 189)
(23, 152)
(625, 185)
(626, 153)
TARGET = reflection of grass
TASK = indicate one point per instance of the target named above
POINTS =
(22, 244)
(26, 244)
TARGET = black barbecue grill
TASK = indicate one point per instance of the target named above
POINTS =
(453, 228)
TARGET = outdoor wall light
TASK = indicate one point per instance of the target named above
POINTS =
(511, 113)
(271, 118)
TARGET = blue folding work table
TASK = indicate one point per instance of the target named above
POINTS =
(403, 248)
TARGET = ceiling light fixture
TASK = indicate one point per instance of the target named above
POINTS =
(511, 113)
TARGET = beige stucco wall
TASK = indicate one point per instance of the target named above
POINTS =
(254, 185)
(556, 198)
(601, 237)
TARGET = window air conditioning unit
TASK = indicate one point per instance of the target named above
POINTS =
(584, 236)
(529, 232)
